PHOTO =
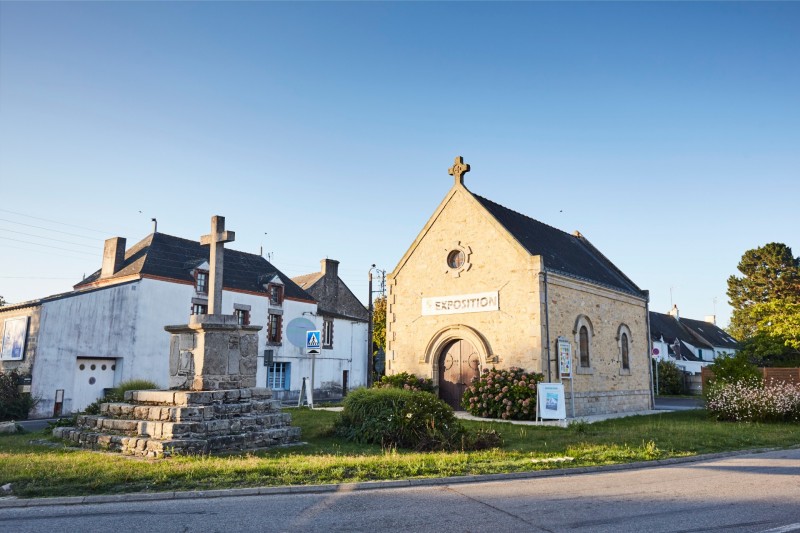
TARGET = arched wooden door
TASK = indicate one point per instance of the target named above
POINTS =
(459, 363)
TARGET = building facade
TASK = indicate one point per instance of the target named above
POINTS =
(483, 286)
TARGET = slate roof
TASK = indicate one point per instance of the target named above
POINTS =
(695, 332)
(710, 332)
(171, 257)
(561, 252)
(334, 297)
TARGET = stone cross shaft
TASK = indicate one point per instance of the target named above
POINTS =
(458, 170)
(216, 240)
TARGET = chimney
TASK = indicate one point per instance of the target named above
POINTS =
(113, 256)
(674, 312)
(330, 267)
(711, 319)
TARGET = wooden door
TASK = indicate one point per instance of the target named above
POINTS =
(459, 363)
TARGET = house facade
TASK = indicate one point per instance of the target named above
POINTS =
(690, 344)
(344, 327)
(483, 286)
(110, 328)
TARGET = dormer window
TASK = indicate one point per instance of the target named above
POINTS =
(201, 281)
(275, 294)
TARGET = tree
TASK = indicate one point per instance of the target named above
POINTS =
(379, 323)
(769, 286)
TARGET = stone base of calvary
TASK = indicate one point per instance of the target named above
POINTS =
(213, 405)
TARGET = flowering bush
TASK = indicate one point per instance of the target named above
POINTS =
(406, 381)
(750, 401)
(507, 394)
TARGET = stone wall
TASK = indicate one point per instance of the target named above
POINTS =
(510, 336)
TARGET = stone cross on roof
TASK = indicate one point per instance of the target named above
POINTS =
(458, 170)
(216, 240)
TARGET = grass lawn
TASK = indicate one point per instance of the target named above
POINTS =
(37, 470)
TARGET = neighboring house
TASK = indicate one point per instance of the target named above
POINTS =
(344, 326)
(111, 327)
(483, 286)
(691, 344)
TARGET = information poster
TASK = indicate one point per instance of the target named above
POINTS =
(551, 401)
(564, 358)
(15, 332)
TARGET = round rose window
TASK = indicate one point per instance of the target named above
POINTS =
(455, 259)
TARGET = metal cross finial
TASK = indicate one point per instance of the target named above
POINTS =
(216, 240)
(458, 170)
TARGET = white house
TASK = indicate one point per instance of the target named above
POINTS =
(691, 344)
(110, 328)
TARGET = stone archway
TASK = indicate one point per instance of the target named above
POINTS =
(459, 364)
(470, 352)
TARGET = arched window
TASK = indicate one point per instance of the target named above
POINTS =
(626, 364)
(584, 346)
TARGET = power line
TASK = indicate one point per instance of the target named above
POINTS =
(48, 246)
(60, 223)
(47, 229)
(48, 238)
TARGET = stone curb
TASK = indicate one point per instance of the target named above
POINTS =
(364, 485)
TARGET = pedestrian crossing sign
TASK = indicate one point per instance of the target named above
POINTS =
(313, 341)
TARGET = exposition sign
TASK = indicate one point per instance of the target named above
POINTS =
(462, 303)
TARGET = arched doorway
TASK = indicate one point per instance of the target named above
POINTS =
(459, 363)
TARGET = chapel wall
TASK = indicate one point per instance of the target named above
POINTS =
(498, 263)
(605, 387)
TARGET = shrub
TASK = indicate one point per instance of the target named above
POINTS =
(406, 419)
(734, 368)
(747, 400)
(117, 394)
(670, 377)
(406, 381)
(14, 405)
(507, 394)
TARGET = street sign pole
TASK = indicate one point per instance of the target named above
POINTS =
(313, 345)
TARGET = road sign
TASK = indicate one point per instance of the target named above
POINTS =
(313, 341)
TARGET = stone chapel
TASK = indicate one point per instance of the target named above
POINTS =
(483, 286)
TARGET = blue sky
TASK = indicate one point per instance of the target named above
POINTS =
(667, 133)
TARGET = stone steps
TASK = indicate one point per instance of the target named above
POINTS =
(162, 423)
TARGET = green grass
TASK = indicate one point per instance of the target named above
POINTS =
(39, 471)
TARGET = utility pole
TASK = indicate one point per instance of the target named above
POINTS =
(370, 362)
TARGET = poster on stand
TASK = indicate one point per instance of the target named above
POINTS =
(551, 401)
(15, 333)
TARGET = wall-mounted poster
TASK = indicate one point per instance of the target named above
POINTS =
(564, 358)
(551, 401)
(15, 333)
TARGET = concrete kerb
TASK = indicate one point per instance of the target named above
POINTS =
(12, 502)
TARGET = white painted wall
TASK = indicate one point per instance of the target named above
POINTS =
(126, 323)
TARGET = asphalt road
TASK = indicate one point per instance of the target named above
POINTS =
(747, 493)
(679, 403)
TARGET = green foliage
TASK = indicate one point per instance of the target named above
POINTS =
(733, 369)
(670, 377)
(767, 350)
(14, 405)
(768, 289)
(507, 394)
(379, 323)
(401, 418)
(117, 394)
(404, 380)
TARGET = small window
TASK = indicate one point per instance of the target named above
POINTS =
(278, 376)
(274, 329)
(584, 347)
(327, 333)
(275, 294)
(201, 282)
(199, 309)
(242, 317)
(626, 363)
(455, 259)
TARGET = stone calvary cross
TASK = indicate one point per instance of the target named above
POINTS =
(216, 240)
(458, 170)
